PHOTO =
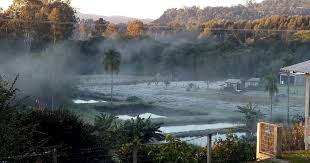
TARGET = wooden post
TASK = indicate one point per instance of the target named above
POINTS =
(258, 140)
(54, 155)
(209, 157)
(135, 154)
(307, 102)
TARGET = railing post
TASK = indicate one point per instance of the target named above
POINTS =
(209, 157)
(54, 155)
(135, 154)
(258, 141)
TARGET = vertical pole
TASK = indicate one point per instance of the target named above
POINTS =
(209, 157)
(54, 155)
(112, 87)
(135, 154)
(258, 140)
(307, 100)
(288, 98)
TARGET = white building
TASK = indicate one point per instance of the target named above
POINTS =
(253, 82)
(296, 78)
(236, 84)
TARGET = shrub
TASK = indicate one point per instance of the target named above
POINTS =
(108, 130)
(134, 99)
(124, 152)
(15, 138)
(232, 149)
(251, 115)
(141, 129)
(61, 128)
(294, 133)
(173, 151)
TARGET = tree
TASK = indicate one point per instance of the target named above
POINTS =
(288, 60)
(174, 150)
(135, 28)
(250, 116)
(272, 88)
(108, 129)
(141, 130)
(15, 137)
(41, 20)
(112, 61)
(100, 27)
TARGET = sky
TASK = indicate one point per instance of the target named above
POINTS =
(137, 8)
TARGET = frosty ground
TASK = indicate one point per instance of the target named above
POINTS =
(176, 105)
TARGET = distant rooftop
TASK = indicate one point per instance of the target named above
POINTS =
(303, 67)
(233, 81)
(254, 80)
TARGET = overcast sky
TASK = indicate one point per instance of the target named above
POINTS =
(138, 8)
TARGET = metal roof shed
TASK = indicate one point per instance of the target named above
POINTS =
(303, 67)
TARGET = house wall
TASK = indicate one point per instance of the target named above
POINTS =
(251, 84)
(294, 79)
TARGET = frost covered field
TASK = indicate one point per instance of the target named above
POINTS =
(175, 104)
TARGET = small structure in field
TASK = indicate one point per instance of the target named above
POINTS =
(235, 84)
(303, 67)
(252, 83)
(296, 78)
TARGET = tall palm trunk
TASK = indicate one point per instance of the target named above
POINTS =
(271, 108)
(112, 84)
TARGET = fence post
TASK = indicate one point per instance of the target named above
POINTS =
(54, 155)
(258, 141)
(135, 154)
(209, 157)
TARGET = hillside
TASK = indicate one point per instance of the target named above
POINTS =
(113, 19)
(195, 15)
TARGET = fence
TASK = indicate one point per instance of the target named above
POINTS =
(269, 138)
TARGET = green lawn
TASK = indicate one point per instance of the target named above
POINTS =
(296, 156)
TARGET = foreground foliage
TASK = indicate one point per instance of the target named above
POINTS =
(232, 149)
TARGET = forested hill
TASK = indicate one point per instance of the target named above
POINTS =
(195, 15)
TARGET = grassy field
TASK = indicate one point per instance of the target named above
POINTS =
(296, 157)
(204, 104)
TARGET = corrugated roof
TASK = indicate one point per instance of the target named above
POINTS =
(233, 81)
(254, 80)
(303, 67)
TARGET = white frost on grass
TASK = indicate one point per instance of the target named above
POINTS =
(86, 101)
(202, 141)
(185, 128)
(144, 115)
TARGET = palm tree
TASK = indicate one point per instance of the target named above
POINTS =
(272, 88)
(288, 60)
(112, 61)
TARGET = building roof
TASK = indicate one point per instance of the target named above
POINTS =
(233, 81)
(303, 67)
(254, 80)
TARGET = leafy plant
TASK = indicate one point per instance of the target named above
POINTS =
(142, 130)
(108, 129)
(174, 150)
(15, 137)
(234, 149)
(272, 88)
(250, 116)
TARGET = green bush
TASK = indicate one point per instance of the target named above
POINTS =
(124, 152)
(174, 150)
(232, 149)
(60, 128)
(15, 137)
(293, 133)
